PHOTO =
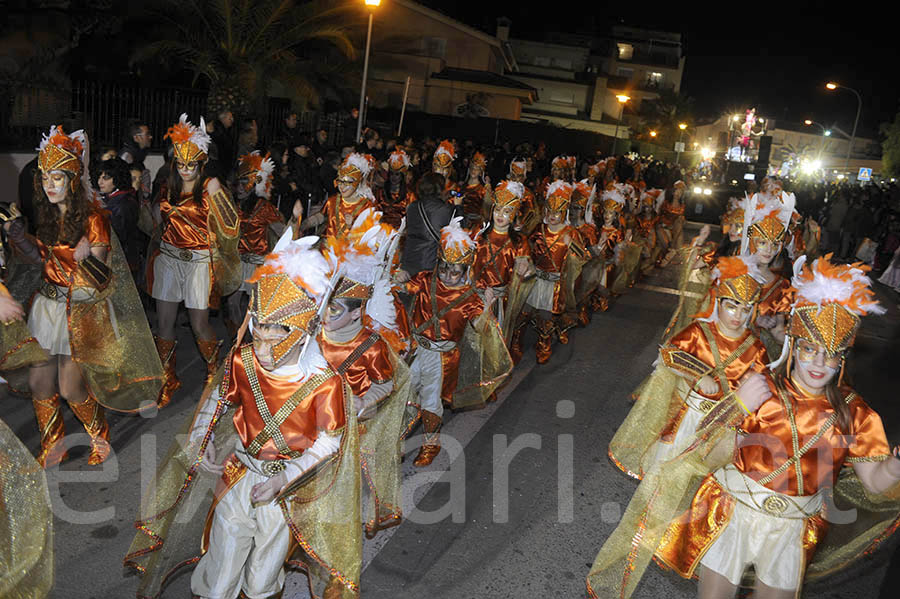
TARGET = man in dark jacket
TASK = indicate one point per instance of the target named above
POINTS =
(424, 219)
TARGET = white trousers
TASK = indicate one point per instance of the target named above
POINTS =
(427, 377)
(176, 280)
(247, 547)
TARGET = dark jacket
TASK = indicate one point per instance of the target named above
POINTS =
(420, 251)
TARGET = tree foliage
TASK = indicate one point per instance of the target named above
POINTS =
(664, 114)
(246, 50)
(890, 148)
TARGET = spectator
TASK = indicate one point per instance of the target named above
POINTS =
(113, 181)
(223, 137)
(424, 219)
(320, 145)
(289, 133)
(248, 140)
(370, 139)
(137, 142)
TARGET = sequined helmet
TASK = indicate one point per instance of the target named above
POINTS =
(444, 155)
(613, 200)
(830, 300)
(360, 255)
(582, 193)
(289, 288)
(190, 143)
(258, 172)
(399, 160)
(478, 159)
(771, 217)
(559, 194)
(356, 166)
(738, 278)
(518, 167)
(457, 247)
(61, 152)
(509, 193)
(560, 161)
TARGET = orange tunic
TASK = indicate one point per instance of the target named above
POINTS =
(495, 258)
(646, 228)
(340, 215)
(670, 212)
(393, 209)
(770, 443)
(373, 366)
(775, 298)
(473, 198)
(613, 236)
(60, 266)
(450, 327)
(186, 222)
(255, 227)
(590, 236)
(549, 251)
(321, 410)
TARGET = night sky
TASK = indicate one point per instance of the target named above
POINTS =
(743, 55)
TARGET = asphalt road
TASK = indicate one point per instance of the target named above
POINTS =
(522, 508)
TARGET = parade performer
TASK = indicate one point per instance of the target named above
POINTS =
(589, 289)
(558, 255)
(752, 488)
(261, 226)
(360, 340)
(766, 225)
(197, 261)
(528, 216)
(612, 233)
(694, 282)
(732, 229)
(447, 314)
(395, 197)
(354, 195)
(503, 258)
(698, 367)
(26, 537)
(477, 191)
(276, 438)
(559, 171)
(442, 164)
(87, 315)
(671, 221)
(646, 223)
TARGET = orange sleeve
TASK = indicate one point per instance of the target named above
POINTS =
(329, 404)
(473, 308)
(869, 440)
(270, 214)
(418, 283)
(98, 229)
(688, 340)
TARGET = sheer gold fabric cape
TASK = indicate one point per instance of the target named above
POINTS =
(519, 288)
(484, 363)
(693, 291)
(26, 523)
(321, 508)
(380, 448)
(112, 343)
(658, 400)
(627, 268)
(18, 350)
(224, 225)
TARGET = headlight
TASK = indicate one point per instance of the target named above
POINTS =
(698, 190)
(707, 192)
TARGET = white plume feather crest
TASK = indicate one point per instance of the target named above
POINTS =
(360, 162)
(266, 169)
(380, 307)
(78, 136)
(515, 188)
(443, 149)
(614, 195)
(765, 206)
(299, 260)
(454, 236)
(199, 136)
(364, 259)
(820, 289)
(559, 185)
(752, 269)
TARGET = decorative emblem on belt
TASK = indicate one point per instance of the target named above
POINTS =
(775, 505)
(272, 468)
(186, 255)
(706, 405)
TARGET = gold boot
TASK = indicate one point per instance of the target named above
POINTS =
(431, 422)
(209, 349)
(171, 384)
(52, 429)
(93, 417)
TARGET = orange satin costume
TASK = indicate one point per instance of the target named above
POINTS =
(393, 210)
(669, 213)
(549, 250)
(373, 366)
(646, 228)
(473, 199)
(495, 258)
(186, 222)
(60, 267)
(452, 325)
(687, 538)
(321, 410)
(775, 298)
(255, 227)
(590, 236)
(339, 215)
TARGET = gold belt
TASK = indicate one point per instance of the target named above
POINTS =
(434, 345)
(182, 254)
(268, 468)
(51, 291)
(547, 276)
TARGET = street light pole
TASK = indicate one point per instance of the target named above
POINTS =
(681, 126)
(621, 98)
(833, 86)
(362, 89)
(825, 134)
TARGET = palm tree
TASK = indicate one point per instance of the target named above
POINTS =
(246, 50)
(665, 113)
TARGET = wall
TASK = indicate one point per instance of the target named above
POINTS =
(556, 96)
(444, 100)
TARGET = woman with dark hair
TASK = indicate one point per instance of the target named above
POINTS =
(113, 182)
(86, 315)
(424, 219)
(752, 488)
(197, 261)
(395, 197)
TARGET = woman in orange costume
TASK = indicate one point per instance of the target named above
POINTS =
(764, 463)
(477, 191)
(197, 261)
(442, 164)
(671, 220)
(354, 195)
(395, 197)
(75, 317)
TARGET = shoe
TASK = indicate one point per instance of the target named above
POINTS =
(52, 429)
(93, 417)
(431, 423)
(166, 350)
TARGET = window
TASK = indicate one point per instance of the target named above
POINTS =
(623, 72)
(626, 51)
(654, 80)
(436, 47)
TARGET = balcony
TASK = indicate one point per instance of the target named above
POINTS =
(656, 59)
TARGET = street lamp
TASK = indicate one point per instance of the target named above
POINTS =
(833, 86)
(681, 126)
(653, 134)
(621, 98)
(825, 133)
(371, 5)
